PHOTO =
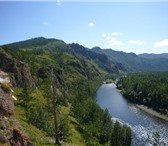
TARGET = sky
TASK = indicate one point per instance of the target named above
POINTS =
(130, 26)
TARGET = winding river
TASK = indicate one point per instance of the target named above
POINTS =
(143, 125)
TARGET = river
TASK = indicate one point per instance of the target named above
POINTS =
(143, 125)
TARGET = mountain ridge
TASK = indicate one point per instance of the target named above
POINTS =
(133, 62)
(112, 61)
(153, 56)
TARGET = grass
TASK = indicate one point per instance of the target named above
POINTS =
(39, 137)
(76, 138)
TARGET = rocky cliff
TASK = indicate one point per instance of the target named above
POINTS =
(20, 72)
(10, 131)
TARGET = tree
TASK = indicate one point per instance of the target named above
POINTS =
(116, 135)
(54, 102)
(106, 128)
(128, 136)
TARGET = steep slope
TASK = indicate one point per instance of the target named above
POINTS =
(75, 73)
(101, 59)
(20, 72)
(11, 133)
(133, 62)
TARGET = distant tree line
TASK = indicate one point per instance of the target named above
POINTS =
(149, 89)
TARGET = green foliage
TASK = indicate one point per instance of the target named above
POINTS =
(6, 87)
(150, 89)
(121, 135)
(25, 96)
(96, 125)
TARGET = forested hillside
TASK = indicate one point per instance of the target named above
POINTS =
(63, 80)
(149, 89)
(136, 63)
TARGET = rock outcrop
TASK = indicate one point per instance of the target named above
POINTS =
(10, 131)
(6, 103)
(20, 72)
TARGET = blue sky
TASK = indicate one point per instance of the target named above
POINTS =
(139, 27)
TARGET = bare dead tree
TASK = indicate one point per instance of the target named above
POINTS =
(54, 102)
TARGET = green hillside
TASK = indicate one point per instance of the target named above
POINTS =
(63, 80)
(135, 63)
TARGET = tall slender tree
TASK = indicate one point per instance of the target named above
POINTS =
(54, 102)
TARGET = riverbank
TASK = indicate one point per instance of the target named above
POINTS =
(152, 112)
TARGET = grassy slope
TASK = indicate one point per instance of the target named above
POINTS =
(40, 138)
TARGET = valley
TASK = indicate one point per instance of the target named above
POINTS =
(75, 73)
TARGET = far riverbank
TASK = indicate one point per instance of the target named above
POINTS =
(152, 112)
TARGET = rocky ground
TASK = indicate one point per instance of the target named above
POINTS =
(10, 130)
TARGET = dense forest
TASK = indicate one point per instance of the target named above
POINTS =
(55, 84)
(149, 89)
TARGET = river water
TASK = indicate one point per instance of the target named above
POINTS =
(143, 125)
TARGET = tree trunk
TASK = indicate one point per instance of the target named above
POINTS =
(54, 98)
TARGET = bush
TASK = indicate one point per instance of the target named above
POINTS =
(6, 87)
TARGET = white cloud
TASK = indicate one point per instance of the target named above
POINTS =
(115, 42)
(111, 40)
(110, 35)
(91, 24)
(58, 2)
(115, 33)
(104, 35)
(45, 23)
(163, 43)
(136, 42)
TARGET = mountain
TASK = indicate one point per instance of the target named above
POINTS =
(55, 84)
(133, 62)
(102, 60)
(153, 56)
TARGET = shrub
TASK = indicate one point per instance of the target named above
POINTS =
(6, 87)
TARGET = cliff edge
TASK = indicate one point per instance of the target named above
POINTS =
(10, 130)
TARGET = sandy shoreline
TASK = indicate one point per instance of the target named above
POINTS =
(152, 112)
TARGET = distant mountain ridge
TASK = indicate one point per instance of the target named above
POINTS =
(153, 56)
(107, 59)
(136, 63)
